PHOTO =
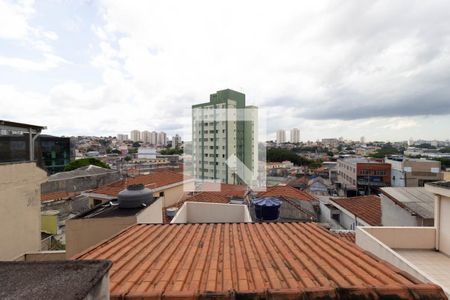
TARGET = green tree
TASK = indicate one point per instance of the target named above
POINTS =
(85, 162)
(171, 151)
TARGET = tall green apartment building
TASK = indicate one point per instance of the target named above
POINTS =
(224, 128)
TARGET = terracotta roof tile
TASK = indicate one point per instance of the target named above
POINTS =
(368, 208)
(152, 181)
(255, 260)
(286, 191)
(56, 196)
(348, 236)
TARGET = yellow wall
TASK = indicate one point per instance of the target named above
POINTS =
(84, 233)
(447, 175)
(20, 208)
(49, 223)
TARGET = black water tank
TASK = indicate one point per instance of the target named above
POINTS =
(135, 196)
(267, 208)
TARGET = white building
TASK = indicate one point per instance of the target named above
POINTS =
(153, 138)
(146, 137)
(176, 141)
(162, 139)
(224, 143)
(135, 135)
(295, 135)
(281, 136)
(122, 137)
(146, 153)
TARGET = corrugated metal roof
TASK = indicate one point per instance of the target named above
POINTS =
(251, 260)
(416, 199)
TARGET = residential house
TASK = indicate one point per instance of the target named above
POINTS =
(407, 206)
(347, 213)
(248, 260)
(410, 172)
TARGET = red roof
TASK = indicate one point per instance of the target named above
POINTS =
(226, 192)
(154, 180)
(368, 208)
(248, 260)
(56, 196)
(286, 191)
(348, 236)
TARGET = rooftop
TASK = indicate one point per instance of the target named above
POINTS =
(345, 235)
(252, 260)
(50, 279)
(441, 184)
(15, 126)
(367, 208)
(286, 191)
(109, 210)
(56, 196)
(90, 170)
(417, 200)
(154, 180)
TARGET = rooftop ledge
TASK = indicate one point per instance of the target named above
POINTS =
(411, 249)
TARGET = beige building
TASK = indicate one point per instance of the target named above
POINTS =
(146, 136)
(104, 221)
(135, 135)
(295, 135)
(20, 208)
(281, 136)
(409, 172)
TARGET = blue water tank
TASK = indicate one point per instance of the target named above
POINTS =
(267, 208)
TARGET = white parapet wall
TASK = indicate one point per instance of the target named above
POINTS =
(382, 242)
(200, 212)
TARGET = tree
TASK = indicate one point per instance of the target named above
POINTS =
(171, 151)
(386, 150)
(127, 158)
(85, 162)
(136, 144)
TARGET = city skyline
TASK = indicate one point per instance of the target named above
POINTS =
(385, 79)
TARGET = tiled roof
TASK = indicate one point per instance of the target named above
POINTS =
(348, 236)
(154, 180)
(368, 208)
(56, 196)
(227, 191)
(247, 260)
(286, 191)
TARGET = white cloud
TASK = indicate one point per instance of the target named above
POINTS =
(372, 68)
(15, 18)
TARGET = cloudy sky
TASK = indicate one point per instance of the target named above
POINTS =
(379, 69)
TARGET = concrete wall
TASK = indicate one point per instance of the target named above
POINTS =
(84, 233)
(152, 214)
(42, 256)
(101, 290)
(444, 225)
(325, 217)
(369, 242)
(20, 208)
(404, 237)
(394, 215)
(173, 195)
(199, 212)
(79, 184)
